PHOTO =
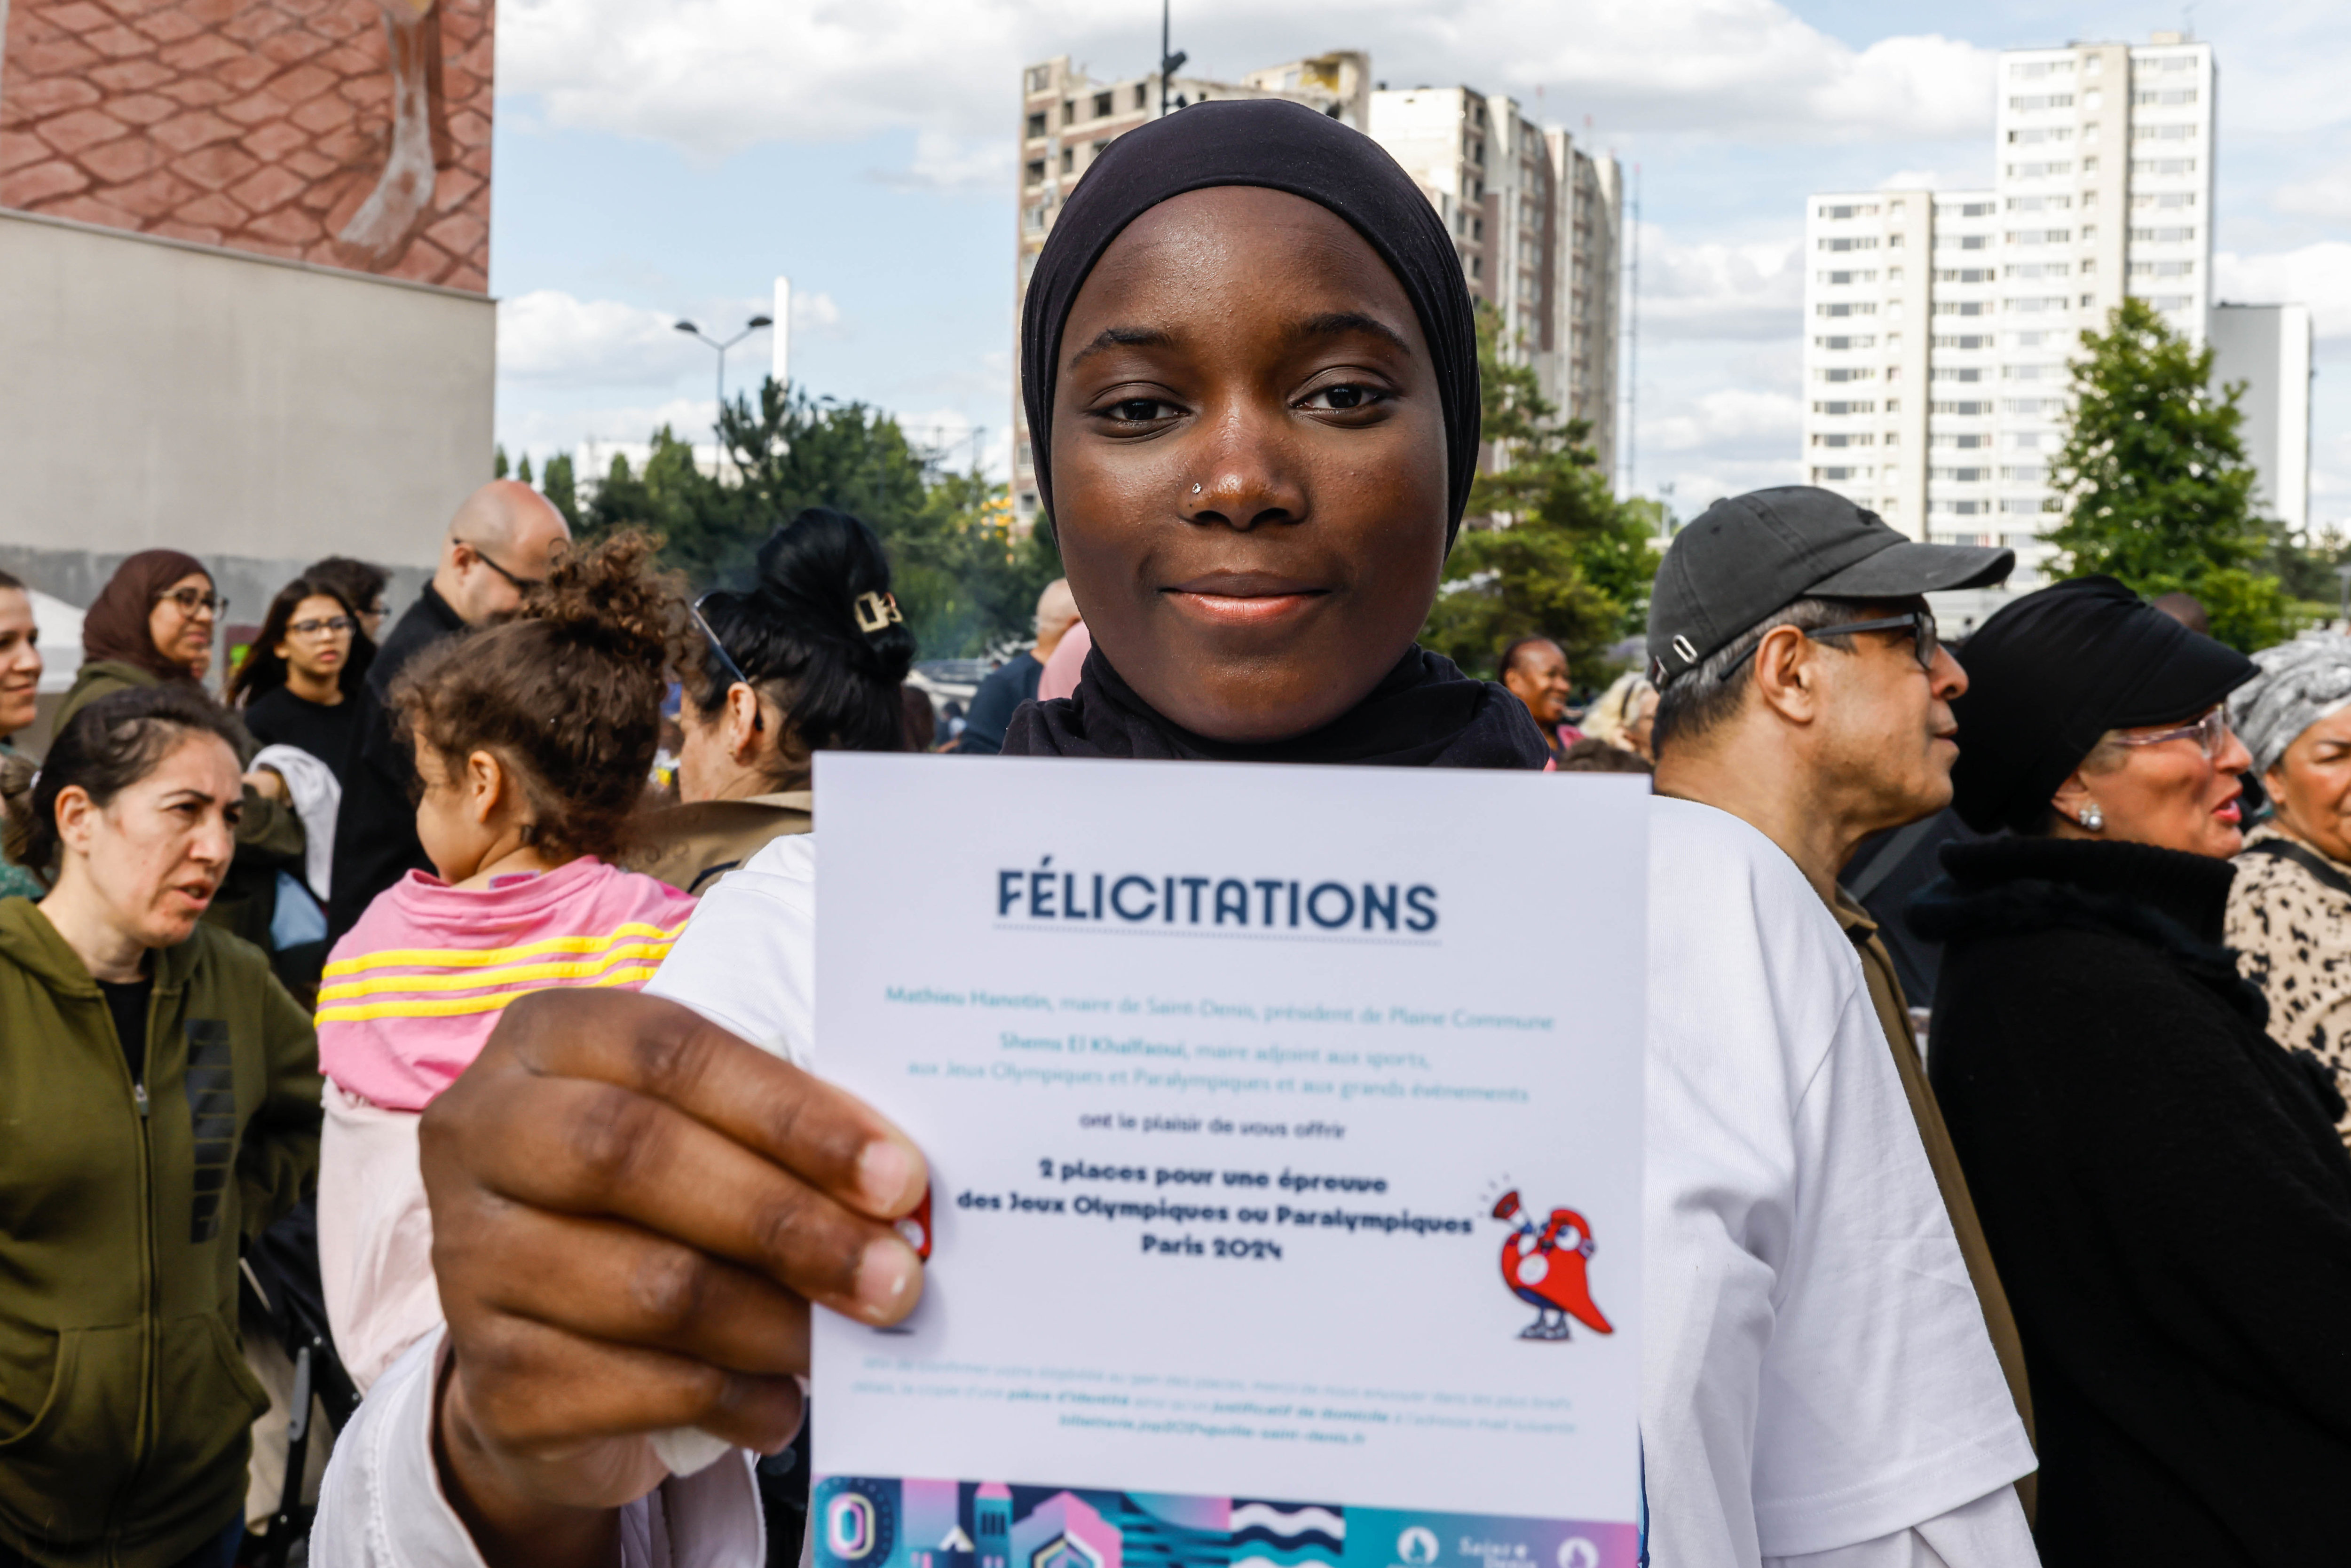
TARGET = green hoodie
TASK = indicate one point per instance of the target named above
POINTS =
(124, 1396)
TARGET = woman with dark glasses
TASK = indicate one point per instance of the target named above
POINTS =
(2161, 1184)
(812, 657)
(153, 624)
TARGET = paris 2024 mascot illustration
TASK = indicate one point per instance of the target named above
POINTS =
(1544, 1266)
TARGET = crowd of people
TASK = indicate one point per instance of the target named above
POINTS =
(2052, 1280)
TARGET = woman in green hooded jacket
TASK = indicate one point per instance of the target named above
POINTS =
(159, 1100)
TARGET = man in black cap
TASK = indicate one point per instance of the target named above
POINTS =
(1805, 704)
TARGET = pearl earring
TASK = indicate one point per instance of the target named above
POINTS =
(2093, 819)
(1195, 489)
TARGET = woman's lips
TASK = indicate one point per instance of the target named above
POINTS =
(1244, 599)
(2229, 810)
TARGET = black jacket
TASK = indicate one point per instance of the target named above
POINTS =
(1008, 685)
(375, 831)
(2166, 1198)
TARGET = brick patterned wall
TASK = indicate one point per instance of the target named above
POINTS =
(354, 133)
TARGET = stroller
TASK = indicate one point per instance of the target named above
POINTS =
(279, 1287)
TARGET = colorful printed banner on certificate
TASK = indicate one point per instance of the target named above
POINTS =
(1284, 1127)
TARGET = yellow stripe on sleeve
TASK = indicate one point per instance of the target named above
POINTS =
(456, 1007)
(486, 957)
(631, 951)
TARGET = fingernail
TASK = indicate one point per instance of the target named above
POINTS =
(885, 1278)
(885, 1174)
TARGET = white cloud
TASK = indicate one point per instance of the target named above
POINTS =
(543, 431)
(2318, 276)
(1729, 418)
(944, 162)
(551, 337)
(547, 335)
(2326, 196)
(713, 76)
(1709, 289)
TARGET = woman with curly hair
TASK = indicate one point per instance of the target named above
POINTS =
(533, 740)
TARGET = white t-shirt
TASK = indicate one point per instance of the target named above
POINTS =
(1819, 1390)
(1815, 1368)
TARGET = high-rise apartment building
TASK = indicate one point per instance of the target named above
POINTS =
(1536, 219)
(1937, 325)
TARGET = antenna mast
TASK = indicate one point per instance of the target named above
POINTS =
(1633, 345)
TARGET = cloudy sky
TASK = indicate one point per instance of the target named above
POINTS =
(667, 158)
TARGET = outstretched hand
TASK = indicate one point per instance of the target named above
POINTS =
(632, 1210)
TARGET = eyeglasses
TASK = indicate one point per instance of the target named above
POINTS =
(2210, 732)
(1919, 624)
(522, 584)
(312, 627)
(726, 660)
(195, 601)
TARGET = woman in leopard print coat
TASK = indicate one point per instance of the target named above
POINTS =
(2289, 907)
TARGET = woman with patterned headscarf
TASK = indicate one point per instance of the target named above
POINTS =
(2289, 907)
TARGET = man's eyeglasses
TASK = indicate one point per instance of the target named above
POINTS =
(522, 584)
(195, 601)
(1919, 624)
(312, 627)
(2210, 732)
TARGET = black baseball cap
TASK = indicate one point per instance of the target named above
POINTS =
(1747, 558)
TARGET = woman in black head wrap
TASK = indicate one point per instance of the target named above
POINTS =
(2161, 1185)
(1252, 387)
(1250, 369)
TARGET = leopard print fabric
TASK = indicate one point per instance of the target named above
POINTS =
(2292, 936)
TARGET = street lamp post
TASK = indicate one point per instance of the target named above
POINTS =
(1171, 60)
(718, 434)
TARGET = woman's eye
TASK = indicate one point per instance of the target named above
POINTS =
(1340, 399)
(1138, 410)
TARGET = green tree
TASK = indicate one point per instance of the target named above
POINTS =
(558, 485)
(960, 578)
(1557, 554)
(522, 469)
(2159, 493)
(500, 468)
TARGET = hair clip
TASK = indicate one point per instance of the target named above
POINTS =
(875, 610)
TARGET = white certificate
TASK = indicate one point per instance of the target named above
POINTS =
(1284, 1126)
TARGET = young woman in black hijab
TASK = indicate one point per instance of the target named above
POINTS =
(1250, 369)
(1251, 379)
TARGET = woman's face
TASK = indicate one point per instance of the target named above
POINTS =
(1538, 677)
(1249, 463)
(20, 661)
(2173, 796)
(181, 623)
(2311, 786)
(320, 652)
(156, 852)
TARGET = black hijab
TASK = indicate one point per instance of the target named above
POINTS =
(1425, 712)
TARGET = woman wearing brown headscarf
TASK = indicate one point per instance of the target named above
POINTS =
(153, 624)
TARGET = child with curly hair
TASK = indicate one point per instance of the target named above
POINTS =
(534, 740)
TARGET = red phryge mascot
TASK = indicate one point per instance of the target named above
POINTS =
(1545, 1269)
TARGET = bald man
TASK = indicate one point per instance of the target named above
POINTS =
(1014, 681)
(503, 540)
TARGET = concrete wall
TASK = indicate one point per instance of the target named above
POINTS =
(255, 413)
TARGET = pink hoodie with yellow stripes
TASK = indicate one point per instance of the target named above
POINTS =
(413, 991)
